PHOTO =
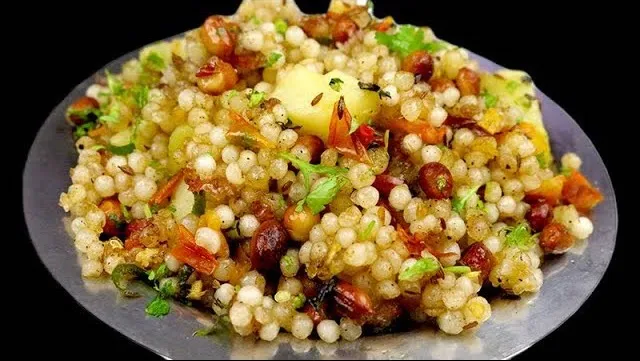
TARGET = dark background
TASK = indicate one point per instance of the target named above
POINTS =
(564, 51)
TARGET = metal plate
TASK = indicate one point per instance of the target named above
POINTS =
(513, 327)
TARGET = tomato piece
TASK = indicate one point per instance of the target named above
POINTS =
(578, 191)
(187, 251)
(339, 137)
(367, 135)
(113, 215)
(243, 131)
(343, 29)
(384, 25)
(550, 191)
(167, 189)
(384, 183)
(426, 131)
(539, 215)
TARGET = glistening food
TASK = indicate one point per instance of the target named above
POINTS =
(333, 173)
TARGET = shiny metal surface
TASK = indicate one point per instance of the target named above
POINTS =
(513, 327)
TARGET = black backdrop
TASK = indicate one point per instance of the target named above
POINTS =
(563, 51)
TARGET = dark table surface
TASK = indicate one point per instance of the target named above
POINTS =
(561, 50)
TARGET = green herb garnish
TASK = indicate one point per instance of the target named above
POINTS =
(419, 269)
(199, 203)
(407, 40)
(458, 203)
(520, 236)
(169, 287)
(82, 130)
(221, 327)
(256, 98)
(158, 273)
(298, 301)
(273, 58)
(121, 150)
(459, 270)
(512, 85)
(147, 211)
(159, 307)
(367, 231)
(323, 194)
(154, 62)
(307, 168)
(113, 116)
(281, 26)
(116, 88)
(490, 100)
(336, 84)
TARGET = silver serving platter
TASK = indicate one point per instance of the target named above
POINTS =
(514, 326)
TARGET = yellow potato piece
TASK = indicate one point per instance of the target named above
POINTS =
(300, 86)
(515, 88)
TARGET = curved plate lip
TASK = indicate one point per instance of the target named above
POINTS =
(150, 345)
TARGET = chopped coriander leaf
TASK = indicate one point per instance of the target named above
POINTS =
(158, 273)
(298, 301)
(158, 307)
(367, 231)
(256, 99)
(324, 193)
(480, 205)
(254, 19)
(155, 208)
(199, 203)
(172, 208)
(287, 263)
(435, 46)
(113, 116)
(336, 84)
(281, 26)
(221, 327)
(490, 100)
(419, 269)
(566, 171)
(147, 211)
(542, 160)
(122, 150)
(116, 88)
(169, 287)
(524, 102)
(125, 212)
(407, 40)
(459, 270)
(155, 164)
(154, 61)
(273, 58)
(232, 93)
(458, 203)
(512, 85)
(307, 168)
(519, 236)
(82, 130)
(140, 94)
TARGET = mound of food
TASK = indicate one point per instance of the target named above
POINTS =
(334, 172)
